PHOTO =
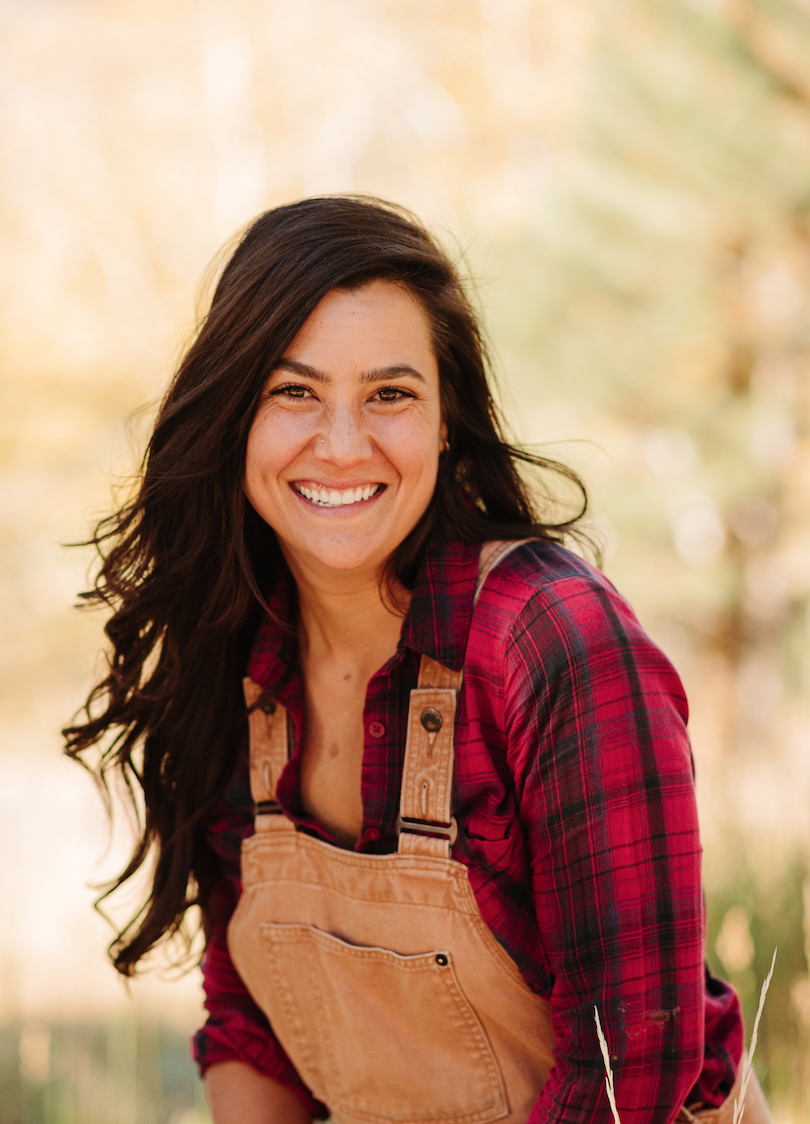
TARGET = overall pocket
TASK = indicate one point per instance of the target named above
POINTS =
(379, 1036)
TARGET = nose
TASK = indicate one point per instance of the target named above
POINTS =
(343, 440)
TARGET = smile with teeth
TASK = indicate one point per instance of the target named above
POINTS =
(323, 497)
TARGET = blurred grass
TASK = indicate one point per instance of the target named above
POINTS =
(123, 1072)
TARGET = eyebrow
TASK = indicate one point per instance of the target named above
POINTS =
(377, 374)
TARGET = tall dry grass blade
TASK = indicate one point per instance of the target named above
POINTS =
(739, 1102)
(608, 1071)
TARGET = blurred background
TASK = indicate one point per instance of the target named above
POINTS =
(629, 184)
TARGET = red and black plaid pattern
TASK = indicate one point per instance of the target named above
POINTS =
(574, 797)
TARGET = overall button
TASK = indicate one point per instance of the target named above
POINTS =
(431, 719)
(441, 959)
(376, 729)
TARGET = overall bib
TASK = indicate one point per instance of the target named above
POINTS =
(380, 978)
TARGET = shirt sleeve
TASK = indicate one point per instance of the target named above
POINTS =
(236, 1028)
(596, 721)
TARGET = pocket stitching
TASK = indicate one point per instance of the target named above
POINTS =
(495, 1103)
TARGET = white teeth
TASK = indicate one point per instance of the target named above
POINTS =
(333, 498)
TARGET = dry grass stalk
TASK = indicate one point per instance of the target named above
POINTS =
(608, 1071)
(739, 1102)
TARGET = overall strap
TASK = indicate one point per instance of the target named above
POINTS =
(426, 825)
(492, 554)
(268, 756)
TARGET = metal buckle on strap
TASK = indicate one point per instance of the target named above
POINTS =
(432, 830)
(267, 808)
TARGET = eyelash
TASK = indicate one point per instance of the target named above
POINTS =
(397, 390)
(297, 386)
(286, 390)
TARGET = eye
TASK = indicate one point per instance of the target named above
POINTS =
(392, 394)
(293, 390)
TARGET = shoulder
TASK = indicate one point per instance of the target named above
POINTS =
(543, 611)
(542, 586)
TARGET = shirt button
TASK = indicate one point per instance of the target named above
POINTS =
(376, 729)
(372, 834)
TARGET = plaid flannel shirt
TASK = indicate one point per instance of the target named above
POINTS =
(574, 796)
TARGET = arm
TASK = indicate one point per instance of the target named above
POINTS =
(597, 739)
(239, 1094)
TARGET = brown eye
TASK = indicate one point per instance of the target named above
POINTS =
(392, 394)
(292, 390)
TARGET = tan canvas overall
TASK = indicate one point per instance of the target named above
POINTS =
(381, 980)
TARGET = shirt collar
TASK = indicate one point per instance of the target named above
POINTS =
(276, 643)
(437, 623)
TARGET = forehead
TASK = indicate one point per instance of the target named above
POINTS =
(381, 314)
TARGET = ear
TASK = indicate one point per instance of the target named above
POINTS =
(442, 437)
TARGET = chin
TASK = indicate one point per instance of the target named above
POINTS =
(345, 557)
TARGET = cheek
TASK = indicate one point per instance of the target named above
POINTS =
(412, 439)
(263, 459)
(255, 456)
(414, 453)
(272, 441)
(415, 459)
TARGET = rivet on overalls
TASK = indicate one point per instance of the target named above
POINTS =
(441, 959)
(431, 719)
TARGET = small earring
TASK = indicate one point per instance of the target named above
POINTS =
(323, 441)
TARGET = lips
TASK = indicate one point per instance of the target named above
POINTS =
(331, 497)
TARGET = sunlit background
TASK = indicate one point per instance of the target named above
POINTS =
(629, 183)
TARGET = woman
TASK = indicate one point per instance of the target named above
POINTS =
(468, 766)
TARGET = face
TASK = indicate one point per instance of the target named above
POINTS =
(343, 452)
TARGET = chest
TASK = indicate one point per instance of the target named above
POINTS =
(332, 751)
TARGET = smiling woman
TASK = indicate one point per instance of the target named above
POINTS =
(343, 453)
(419, 766)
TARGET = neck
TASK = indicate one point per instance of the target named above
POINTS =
(346, 618)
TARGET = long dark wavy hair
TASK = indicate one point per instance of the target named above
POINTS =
(186, 566)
